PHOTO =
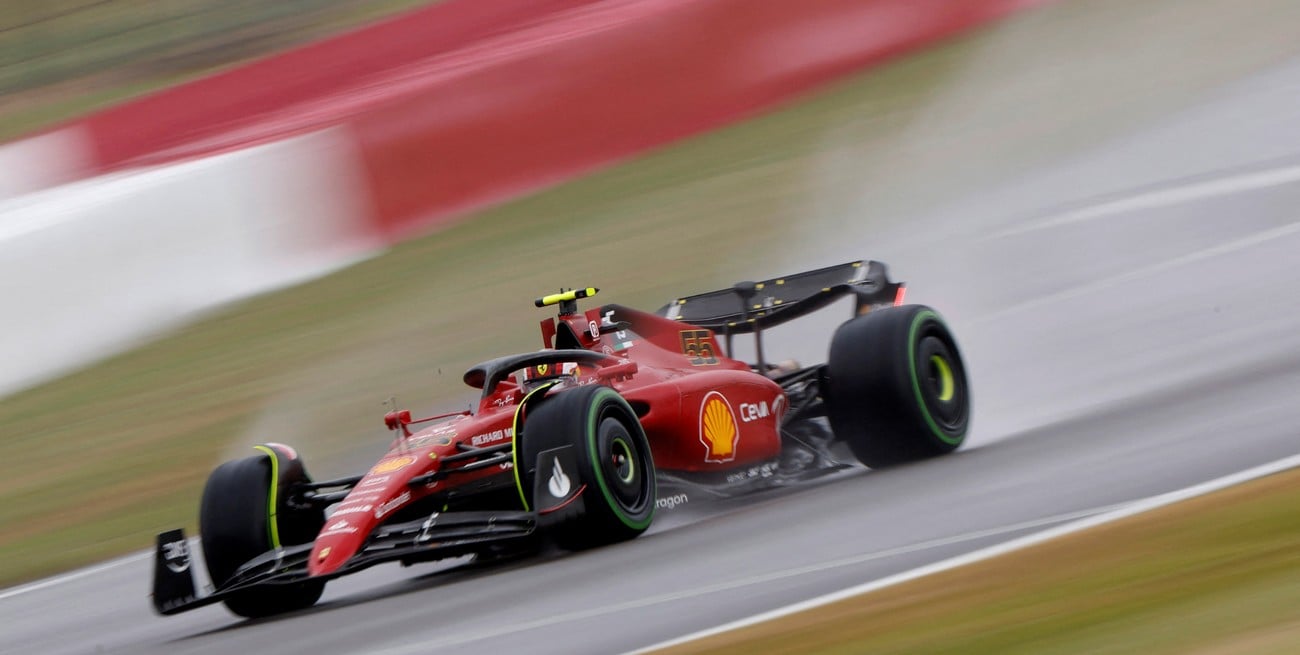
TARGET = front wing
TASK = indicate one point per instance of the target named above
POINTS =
(439, 535)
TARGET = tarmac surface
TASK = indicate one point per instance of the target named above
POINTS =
(1130, 315)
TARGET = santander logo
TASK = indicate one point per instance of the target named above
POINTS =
(559, 484)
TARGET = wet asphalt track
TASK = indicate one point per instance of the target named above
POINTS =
(1131, 318)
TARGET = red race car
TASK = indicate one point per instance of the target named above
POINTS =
(576, 444)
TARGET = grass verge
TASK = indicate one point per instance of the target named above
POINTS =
(63, 58)
(1215, 574)
(93, 464)
(96, 462)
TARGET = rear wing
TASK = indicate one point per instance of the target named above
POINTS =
(755, 306)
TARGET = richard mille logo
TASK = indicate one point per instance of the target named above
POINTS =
(559, 482)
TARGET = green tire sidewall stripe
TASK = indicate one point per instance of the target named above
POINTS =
(273, 531)
(592, 437)
(916, 381)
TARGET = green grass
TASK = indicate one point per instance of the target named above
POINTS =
(92, 465)
(63, 58)
(95, 463)
(1218, 574)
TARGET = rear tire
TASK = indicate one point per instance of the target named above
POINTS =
(896, 388)
(614, 462)
(236, 524)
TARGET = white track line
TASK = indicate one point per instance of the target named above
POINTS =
(1102, 284)
(69, 577)
(448, 639)
(1021, 543)
(1167, 197)
(1094, 517)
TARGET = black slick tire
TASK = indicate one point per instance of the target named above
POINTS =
(242, 515)
(614, 462)
(896, 388)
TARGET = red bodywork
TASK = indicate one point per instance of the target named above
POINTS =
(702, 412)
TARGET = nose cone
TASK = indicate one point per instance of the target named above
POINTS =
(326, 559)
(351, 523)
(341, 538)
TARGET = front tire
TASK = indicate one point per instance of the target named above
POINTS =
(244, 514)
(614, 462)
(896, 388)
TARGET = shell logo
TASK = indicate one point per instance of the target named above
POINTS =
(718, 428)
(392, 464)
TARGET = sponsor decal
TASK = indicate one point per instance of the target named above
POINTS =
(340, 526)
(778, 407)
(363, 496)
(761, 471)
(543, 369)
(353, 509)
(752, 412)
(607, 350)
(391, 505)
(393, 464)
(373, 480)
(506, 466)
(176, 555)
(594, 329)
(324, 552)
(492, 437)
(437, 439)
(670, 502)
(718, 430)
(558, 485)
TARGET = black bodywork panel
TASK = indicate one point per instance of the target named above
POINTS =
(750, 306)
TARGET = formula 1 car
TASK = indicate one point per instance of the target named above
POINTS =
(571, 444)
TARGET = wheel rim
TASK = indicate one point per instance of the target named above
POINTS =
(942, 384)
(621, 458)
(620, 466)
(941, 377)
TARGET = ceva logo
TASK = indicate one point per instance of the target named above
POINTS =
(752, 412)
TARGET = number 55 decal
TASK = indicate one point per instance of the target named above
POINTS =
(697, 345)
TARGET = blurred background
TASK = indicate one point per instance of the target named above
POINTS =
(64, 57)
(1098, 194)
